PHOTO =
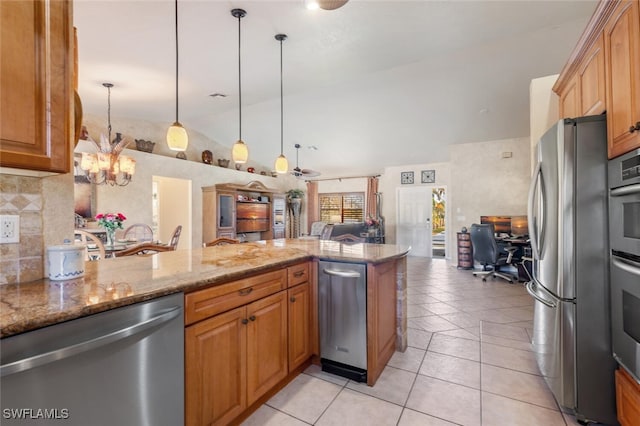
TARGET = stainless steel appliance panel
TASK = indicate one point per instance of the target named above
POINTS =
(553, 341)
(342, 289)
(568, 228)
(120, 367)
(624, 201)
(625, 293)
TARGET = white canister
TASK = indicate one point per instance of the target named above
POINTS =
(66, 261)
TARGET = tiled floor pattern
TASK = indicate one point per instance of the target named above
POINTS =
(469, 362)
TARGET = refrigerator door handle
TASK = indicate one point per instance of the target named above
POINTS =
(536, 239)
(532, 287)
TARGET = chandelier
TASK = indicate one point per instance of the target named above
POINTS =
(107, 166)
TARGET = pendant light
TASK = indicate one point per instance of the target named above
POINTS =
(240, 151)
(177, 137)
(282, 165)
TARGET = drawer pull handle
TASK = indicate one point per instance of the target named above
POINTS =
(298, 274)
(245, 321)
(293, 299)
(245, 291)
(252, 317)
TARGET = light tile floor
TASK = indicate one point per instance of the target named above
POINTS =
(469, 362)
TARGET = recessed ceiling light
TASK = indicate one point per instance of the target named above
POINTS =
(218, 95)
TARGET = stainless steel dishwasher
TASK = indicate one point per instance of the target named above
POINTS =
(120, 367)
(342, 305)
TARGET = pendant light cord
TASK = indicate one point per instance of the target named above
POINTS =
(281, 105)
(239, 84)
(109, 112)
(176, 7)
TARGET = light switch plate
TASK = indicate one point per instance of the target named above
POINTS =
(9, 228)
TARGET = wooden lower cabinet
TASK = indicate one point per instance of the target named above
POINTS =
(266, 344)
(299, 324)
(381, 317)
(627, 399)
(234, 358)
(216, 373)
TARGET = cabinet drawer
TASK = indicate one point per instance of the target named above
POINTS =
(211, 301)
(298, 274)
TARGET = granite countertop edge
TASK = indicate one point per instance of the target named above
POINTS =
(115, 283)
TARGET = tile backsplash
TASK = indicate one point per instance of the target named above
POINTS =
(23, 261)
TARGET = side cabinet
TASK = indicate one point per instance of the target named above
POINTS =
(300, 314)
(36, 82)
(381, 317)
(218, 214)
(627, 398)
(465, 251)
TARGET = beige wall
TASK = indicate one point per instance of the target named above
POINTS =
(543, 107)
(485, 183)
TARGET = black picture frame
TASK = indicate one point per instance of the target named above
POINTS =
(428, 176)
(406, 178)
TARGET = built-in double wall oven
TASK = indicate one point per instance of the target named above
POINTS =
(624, 235)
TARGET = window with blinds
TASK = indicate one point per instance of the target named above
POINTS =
(342, 207)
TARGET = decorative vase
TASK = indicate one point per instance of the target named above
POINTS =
(295, 205)
(111, 236)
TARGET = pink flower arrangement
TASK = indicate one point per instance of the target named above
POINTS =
(111, 221)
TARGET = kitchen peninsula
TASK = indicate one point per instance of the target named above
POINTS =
(245, 280)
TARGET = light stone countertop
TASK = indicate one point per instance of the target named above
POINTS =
(113, 283)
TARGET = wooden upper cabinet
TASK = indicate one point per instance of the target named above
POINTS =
(622, 64)
(570, 99)
(36, 82)
(591, 78)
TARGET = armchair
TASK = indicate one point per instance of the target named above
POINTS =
(485, 252)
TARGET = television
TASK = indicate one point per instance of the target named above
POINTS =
(519, 226)
(501, 224)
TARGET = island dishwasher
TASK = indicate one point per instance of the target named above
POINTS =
(342, 309)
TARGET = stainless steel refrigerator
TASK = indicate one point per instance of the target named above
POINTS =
(568, 227)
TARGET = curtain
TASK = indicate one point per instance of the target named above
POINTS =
(313, 211)
(372, 188)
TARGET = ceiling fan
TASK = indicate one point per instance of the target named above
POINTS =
(302, 173)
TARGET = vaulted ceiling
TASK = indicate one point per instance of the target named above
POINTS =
(372, 84)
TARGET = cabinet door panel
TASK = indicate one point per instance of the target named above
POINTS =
(266, 344)
(570, 100)
(299, 325)
(36, 85)
(592, 81)
(622, 63)
(215, 377)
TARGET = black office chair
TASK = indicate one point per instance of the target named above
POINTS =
(485, 252)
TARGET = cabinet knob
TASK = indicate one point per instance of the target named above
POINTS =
(252, 317)
(245, 321)
(634, 128)
(293, 299)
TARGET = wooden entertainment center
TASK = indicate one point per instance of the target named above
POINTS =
(246, 212)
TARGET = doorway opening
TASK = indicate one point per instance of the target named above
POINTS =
(439, 213)
(171, 206)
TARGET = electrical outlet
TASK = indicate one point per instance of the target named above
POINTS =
(9, 228)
